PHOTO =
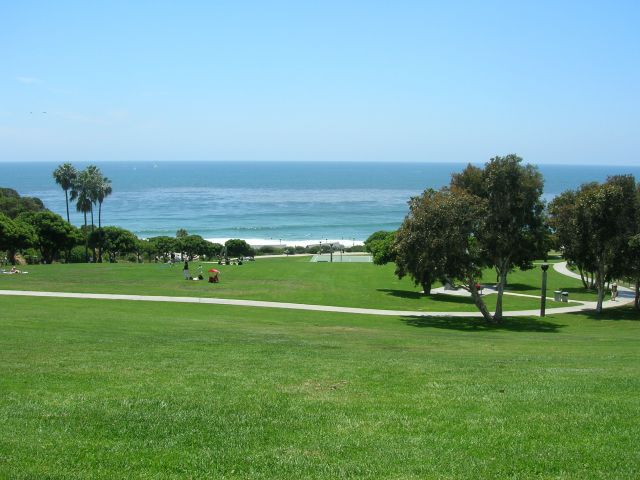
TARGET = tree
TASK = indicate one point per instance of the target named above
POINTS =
(143, 247)
(115, 241)
(568, 238)
(381, 246)
(15, 235)
(605, 219)
(64, 176)
(633, 270)
(181, 233)
(438, 240)
(513, 230)
(103, 191)
(81, 193)
(213, 249)
(192, 245)
(52, 233)
(12, 204)
(163, 246)
(84, 192)
(237, 247)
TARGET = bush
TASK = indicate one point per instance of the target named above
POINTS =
(77, 255)
(31, 256)
(238, 248)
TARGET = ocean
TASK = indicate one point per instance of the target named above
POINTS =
(266, 202)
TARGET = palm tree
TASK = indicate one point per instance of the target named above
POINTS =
(81, 192)
(94, 182)
(65, 175)
(104, 190)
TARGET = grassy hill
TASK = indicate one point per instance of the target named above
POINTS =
(103, 389)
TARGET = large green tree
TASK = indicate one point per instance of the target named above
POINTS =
(513, 231)
(192, 245)
(438, 241)
(114, 240)
(606, 221)
(163, 246)
(237, 247)
(568, 238)
(15, 235)
(52, 233)
(633, 267)
(64, 176)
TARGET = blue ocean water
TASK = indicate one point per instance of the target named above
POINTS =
(288, 201)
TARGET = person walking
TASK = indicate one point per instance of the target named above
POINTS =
(614, 291)
(185, 271)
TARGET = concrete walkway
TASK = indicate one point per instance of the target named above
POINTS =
(625, 296)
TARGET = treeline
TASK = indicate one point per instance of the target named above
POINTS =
(29, 231)
(494, 217)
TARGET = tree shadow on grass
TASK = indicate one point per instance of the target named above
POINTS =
(401, 293)
(626, 312)
(471, 324)
(432, 298)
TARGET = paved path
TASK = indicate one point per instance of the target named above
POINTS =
(625, 296)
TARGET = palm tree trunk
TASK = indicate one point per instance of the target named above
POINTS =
(66, 197)
(99, 229)
(86, 239)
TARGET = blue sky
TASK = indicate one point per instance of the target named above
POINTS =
(555, 82)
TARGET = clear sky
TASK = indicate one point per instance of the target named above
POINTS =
(554, 81)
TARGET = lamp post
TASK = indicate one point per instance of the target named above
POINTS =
(543, 297)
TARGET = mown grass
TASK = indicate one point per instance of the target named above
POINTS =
(283, 280)
(112, 389)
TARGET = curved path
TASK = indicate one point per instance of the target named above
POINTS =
(625, 296)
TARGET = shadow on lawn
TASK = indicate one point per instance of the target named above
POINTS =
(522, 287)
(401, 293)
(432, 298)
(524, 324)
(626, 312)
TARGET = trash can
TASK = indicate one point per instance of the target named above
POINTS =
(557, 295)
(565, 297)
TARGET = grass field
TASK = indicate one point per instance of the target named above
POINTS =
(283, 280)
(104, 389)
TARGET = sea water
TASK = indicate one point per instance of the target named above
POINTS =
(278, 202)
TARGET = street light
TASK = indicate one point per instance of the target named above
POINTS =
(543, 297)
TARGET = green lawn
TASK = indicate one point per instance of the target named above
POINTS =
(114, 389)
(281, 279)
